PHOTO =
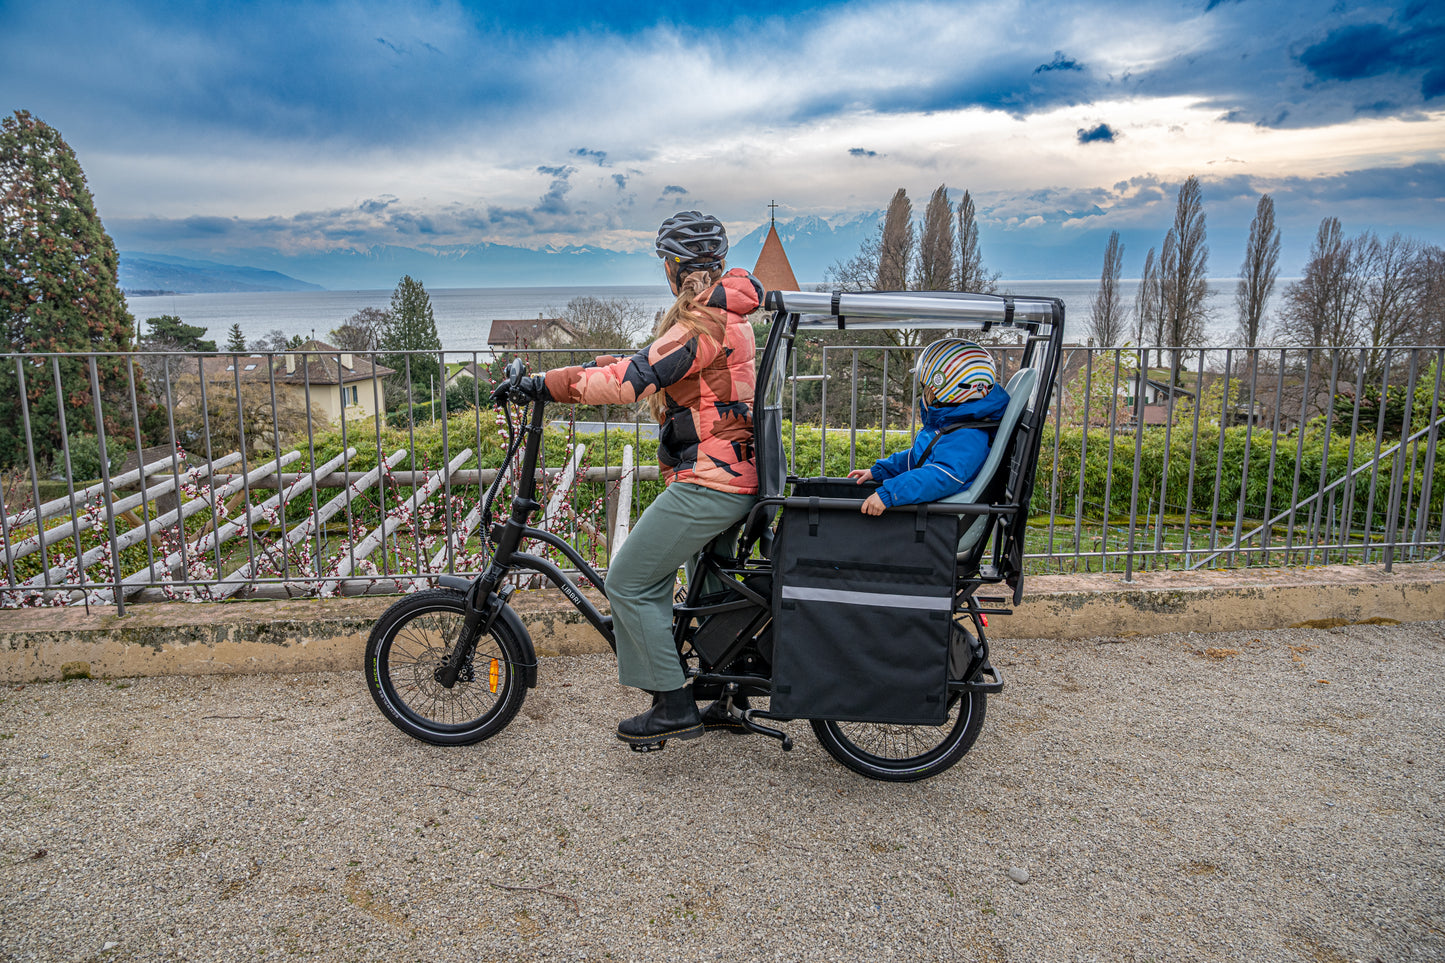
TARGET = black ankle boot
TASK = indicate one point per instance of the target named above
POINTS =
(716, 717)
(673, 716)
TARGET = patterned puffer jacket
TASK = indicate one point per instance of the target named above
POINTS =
(706, 436)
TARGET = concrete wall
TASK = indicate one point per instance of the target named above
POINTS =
(311, 635)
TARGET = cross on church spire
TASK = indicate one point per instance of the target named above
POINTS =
(772, 213)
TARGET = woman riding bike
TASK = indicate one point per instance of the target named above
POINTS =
(697, 376)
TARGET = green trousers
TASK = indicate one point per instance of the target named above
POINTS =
(643, 575)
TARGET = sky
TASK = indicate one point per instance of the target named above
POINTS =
(268, 133)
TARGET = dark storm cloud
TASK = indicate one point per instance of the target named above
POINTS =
(1060, 62)
(1102, 134)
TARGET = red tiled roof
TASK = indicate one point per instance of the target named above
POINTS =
(523, 333)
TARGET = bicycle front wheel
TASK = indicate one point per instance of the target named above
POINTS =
(404, 652)
(904, 753)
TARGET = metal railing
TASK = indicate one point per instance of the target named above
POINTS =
(317, 472)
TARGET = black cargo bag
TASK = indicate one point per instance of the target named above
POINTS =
(862, 612)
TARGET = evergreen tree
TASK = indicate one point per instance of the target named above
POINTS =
(410, 326)
(235, 340)
(58, 291)
(170, 333)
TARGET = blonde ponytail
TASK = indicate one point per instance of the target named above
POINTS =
(689, 313)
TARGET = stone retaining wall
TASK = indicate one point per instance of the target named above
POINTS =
(312, 635)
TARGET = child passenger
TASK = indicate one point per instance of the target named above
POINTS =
(957, 387)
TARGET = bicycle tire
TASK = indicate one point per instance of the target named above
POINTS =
(406, 647)
(887, 752)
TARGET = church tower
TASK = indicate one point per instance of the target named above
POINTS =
(773, 270)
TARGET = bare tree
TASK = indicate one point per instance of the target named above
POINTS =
(1106, 322)
(936, 246)
(972, 275)
(361, 331)
(1259, 271)
(1385, 298)
(1146, 303)
(1427, 292)
(859, 272)
(895, 252)
(603, 323)
(1322, 307)
(1184, 274)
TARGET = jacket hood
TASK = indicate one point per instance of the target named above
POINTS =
(987, 408)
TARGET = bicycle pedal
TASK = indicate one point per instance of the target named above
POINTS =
(647, 746)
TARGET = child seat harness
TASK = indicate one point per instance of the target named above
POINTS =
(989, 423)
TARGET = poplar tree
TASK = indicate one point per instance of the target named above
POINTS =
(1259, 271)
(895, 252)
(410, 326)
(972, 275)
(1106, 321)
(58, 292)
(1184, 274)
(936, 246)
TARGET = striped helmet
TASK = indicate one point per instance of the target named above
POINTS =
(956, 370)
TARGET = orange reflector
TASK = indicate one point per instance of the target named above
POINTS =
(984, 618)
(492, 674)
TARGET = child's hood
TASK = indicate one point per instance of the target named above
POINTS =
(991, 406)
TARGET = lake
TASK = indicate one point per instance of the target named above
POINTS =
(465, 315)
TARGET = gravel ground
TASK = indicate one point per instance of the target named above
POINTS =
(1185, 797)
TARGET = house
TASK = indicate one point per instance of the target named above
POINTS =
(1159, 399)
(331, 379)
(538, 332)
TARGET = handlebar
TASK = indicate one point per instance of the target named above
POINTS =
(511, 376)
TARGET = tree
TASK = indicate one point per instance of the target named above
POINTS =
(1258, 273)
(235, 340)
(276, 340)
(1184, 274)
(936, 247)
(1427, 277)
(895, 250)
(605, 323)
(170, 333)
(972, 275)
(58, 292)
(410, 326)
(1106, 322)
(1387, 281)
(1322, 307)
(361, 332)
(1148, 310)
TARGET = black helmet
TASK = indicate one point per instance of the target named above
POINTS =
(692, 239)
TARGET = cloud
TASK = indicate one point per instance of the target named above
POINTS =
(672, 190)
(1102, 134)
(1060, 62)
(1354, 52)
(620, 180)
(600, 156)
(861, 152)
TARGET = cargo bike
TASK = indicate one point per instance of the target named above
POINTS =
(871, 628)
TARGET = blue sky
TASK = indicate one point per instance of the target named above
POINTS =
(249, 132)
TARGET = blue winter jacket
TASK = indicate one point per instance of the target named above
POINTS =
(954, 460)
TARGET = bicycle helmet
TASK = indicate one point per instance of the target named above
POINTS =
(956, 370)
(692, 239)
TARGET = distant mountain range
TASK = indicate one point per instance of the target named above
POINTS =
(155, 273)
(812, 244)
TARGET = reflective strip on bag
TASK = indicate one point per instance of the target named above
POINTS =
(926, 603)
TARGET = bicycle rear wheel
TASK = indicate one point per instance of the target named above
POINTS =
(407, 647)
(905, 753)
